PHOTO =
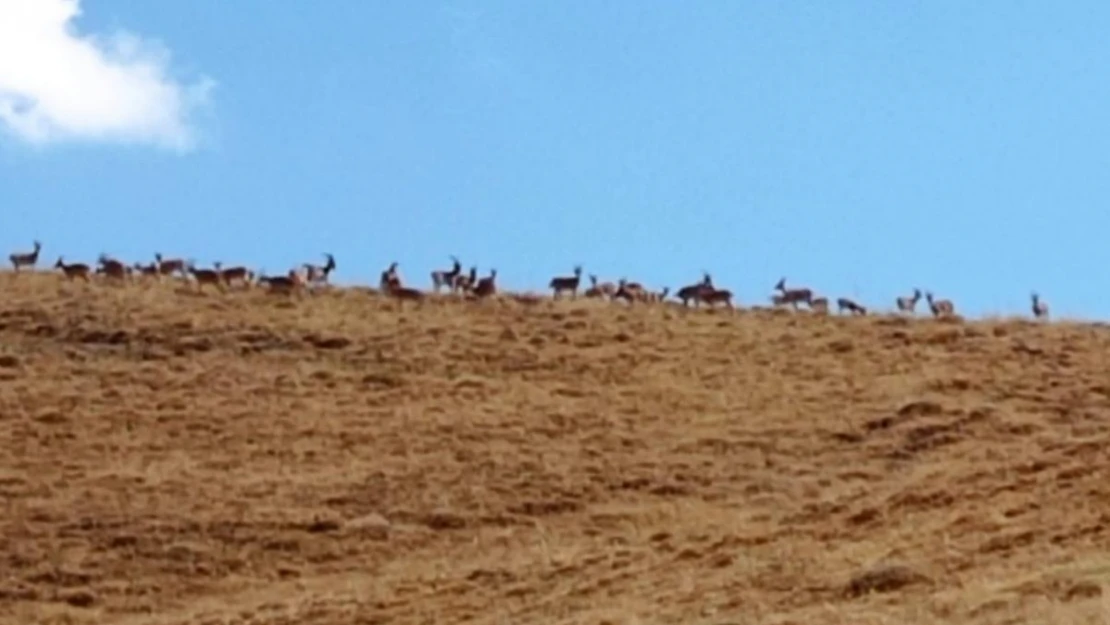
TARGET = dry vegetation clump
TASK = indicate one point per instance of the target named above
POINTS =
(175, 456)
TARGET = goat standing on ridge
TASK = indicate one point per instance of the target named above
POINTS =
(793, 296)
(712, 295)
(447, 277)
(1040, 308)
(941, 307)
(113, 268)
(170, 266)
(487, 286)
(465, 283)
(238, 274)
(908, 304)
(25, 259)
(389, 279)
(695, 291)
(287, 284)
(567, 283)
(147, 271)
(318, 274)
(76, 270)
(657, 297)
(206, 276)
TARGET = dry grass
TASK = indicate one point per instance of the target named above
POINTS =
(168, 457)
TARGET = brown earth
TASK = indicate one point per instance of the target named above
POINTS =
(167, 457)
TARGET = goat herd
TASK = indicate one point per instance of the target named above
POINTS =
(467, 284)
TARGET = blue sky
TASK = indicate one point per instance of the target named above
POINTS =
(859, 148)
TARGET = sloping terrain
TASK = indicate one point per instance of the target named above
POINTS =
(168, 457)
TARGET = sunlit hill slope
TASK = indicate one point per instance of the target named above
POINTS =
(169, 457)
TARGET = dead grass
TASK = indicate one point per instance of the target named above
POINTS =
(167, 457)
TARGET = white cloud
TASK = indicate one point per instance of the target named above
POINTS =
(59, 85)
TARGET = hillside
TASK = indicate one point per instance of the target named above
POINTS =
(167, 457)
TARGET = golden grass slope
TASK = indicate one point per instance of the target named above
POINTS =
(167, 457)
